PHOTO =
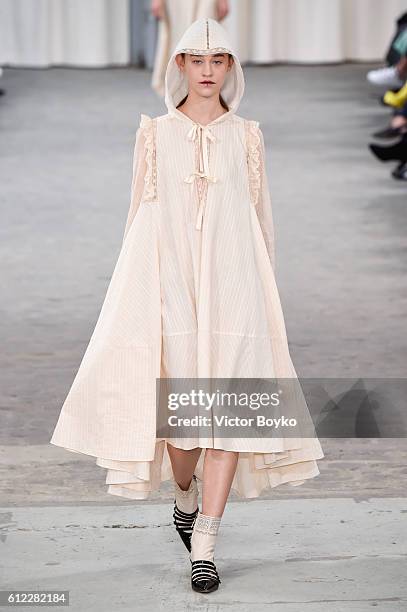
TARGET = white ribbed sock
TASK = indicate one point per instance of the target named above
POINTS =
(204, 536)
(187, 501)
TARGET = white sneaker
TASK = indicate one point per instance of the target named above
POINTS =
(385, 77)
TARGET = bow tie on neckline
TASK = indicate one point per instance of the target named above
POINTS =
(203, 134)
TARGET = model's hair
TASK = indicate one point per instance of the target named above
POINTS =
(221, 100)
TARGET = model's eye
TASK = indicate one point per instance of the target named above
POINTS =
(199, 61)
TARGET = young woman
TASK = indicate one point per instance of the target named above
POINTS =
(192, 296)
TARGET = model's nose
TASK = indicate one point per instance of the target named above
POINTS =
(207, 69)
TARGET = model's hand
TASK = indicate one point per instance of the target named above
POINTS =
(222, 9)
(157, 8)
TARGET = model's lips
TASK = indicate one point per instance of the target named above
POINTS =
(207, 83)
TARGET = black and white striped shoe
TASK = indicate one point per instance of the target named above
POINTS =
(184, 524)
(204, 576)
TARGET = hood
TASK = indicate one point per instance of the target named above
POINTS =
(203, 37)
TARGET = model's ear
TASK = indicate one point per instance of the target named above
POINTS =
(180, 60)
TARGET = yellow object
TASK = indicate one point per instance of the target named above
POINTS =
(397, 99)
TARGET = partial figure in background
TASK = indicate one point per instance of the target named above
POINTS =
(394, 77)
(2, 91)
(175, 17)
(396, 100)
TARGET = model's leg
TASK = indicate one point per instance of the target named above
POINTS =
(185, 489)
(218, 474)
(183, 464)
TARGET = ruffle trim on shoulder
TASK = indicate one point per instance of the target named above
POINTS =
(148, 125)
(253, 159)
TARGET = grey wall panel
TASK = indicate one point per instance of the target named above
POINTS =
(143, 33)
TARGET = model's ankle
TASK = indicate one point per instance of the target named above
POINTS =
(204, 537)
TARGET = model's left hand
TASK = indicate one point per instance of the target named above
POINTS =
(157, 8)
(222, 9)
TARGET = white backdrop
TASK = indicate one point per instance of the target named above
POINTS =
(315, 30)
(72, 32)
(97, 32)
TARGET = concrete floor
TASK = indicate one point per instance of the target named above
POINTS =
(314, 555)
(341, 240)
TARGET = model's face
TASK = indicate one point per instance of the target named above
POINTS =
(205, 73)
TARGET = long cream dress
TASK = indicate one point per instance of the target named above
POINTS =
(193, 294)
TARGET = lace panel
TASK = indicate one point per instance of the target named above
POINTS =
(196, 51)
(150, 180)
(253, 159)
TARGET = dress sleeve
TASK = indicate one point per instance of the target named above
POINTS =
(139, 173)
(263, 206)
(259, 185)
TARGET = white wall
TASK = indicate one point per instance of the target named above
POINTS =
(97, 32)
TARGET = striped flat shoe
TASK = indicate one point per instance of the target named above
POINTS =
(184, 524)
(204, 576)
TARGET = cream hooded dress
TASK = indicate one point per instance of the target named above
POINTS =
(192, 295)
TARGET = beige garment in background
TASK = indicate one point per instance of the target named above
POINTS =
(179, 15)
(193, 295)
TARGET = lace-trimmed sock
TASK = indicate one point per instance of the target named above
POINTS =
(185, 510)
(204, 575)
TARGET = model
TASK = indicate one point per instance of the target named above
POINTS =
(192, 295)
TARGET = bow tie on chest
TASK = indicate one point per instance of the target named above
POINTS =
(202, 134)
